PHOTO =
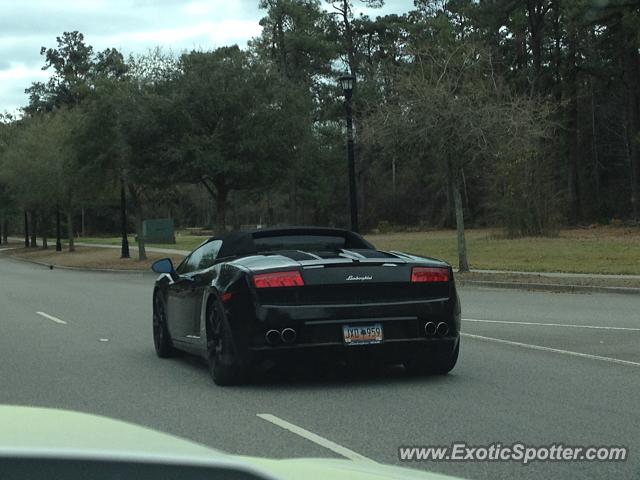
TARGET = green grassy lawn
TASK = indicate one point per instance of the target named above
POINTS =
(90, 257)
(599, 250)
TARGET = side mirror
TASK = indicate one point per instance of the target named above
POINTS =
(164, 265)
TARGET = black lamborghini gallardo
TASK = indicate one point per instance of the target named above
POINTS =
(245, 297)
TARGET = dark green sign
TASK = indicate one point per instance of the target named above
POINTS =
(159, 231)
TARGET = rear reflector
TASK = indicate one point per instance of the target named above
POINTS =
(227, 296)
(278, 279)
(429, 274)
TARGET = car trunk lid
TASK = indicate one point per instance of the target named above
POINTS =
(347, 277)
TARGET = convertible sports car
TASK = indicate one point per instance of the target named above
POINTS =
(245, 297)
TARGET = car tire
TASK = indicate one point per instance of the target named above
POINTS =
(429, 364)
(161, 337)
(225, 364)
(444, 364)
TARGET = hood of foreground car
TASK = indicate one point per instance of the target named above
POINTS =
(337, 469)
(37, 433)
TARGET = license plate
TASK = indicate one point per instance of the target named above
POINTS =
(362, 334)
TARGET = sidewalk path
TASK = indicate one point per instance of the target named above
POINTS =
(168, 251)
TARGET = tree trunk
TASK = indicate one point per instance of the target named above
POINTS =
(450, 210)
(348, 37)
(26, 229)
(34, 229)
(573, 199)
(572, 164)
(293, 195)
(632, 80)
(281, 46)
(463, 264)
(142, 250)
(44, 230)
(269, 219)
(72, 246)
(393, 173)
(536, 11)
(594, 141)
(221, 209)
(5, 231)
(219, 193)
(124, 249)
(58, 230)
(557, 51)
(138, 215)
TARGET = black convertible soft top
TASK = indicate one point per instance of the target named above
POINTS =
(241, 242)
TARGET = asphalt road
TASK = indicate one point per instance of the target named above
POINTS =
(101, 360)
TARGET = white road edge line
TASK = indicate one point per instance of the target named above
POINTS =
(52, 318)
(631, 329)
(317, 439)
(554, 350)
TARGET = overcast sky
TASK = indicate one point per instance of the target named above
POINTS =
(132, 26)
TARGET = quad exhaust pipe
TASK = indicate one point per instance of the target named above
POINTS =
(442, 329)
(288, 335)
(431, 329)
(274, 337)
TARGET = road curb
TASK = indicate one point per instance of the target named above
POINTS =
(549, 287)
(77, 269)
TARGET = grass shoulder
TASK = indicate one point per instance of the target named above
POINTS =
(601, 250)
(89, 258)
(610, 250)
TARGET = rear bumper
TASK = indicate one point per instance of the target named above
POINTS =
(321, 326)
(282, 315)
(397, 350)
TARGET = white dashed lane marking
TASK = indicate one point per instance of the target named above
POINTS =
(553, 350)
(566, 325)
(52, 318)
(317, 439)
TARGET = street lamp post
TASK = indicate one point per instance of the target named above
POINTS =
(347, 82)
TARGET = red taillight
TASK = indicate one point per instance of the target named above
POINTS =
(278, 279)
(429, 274)
(227, 296)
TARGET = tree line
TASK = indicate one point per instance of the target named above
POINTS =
(523, 114)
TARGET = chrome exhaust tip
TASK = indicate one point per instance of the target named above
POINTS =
(272, 337)
(442, 329)
(288, 335)
(430, 329)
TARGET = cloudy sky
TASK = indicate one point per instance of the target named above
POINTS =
(133, 26)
